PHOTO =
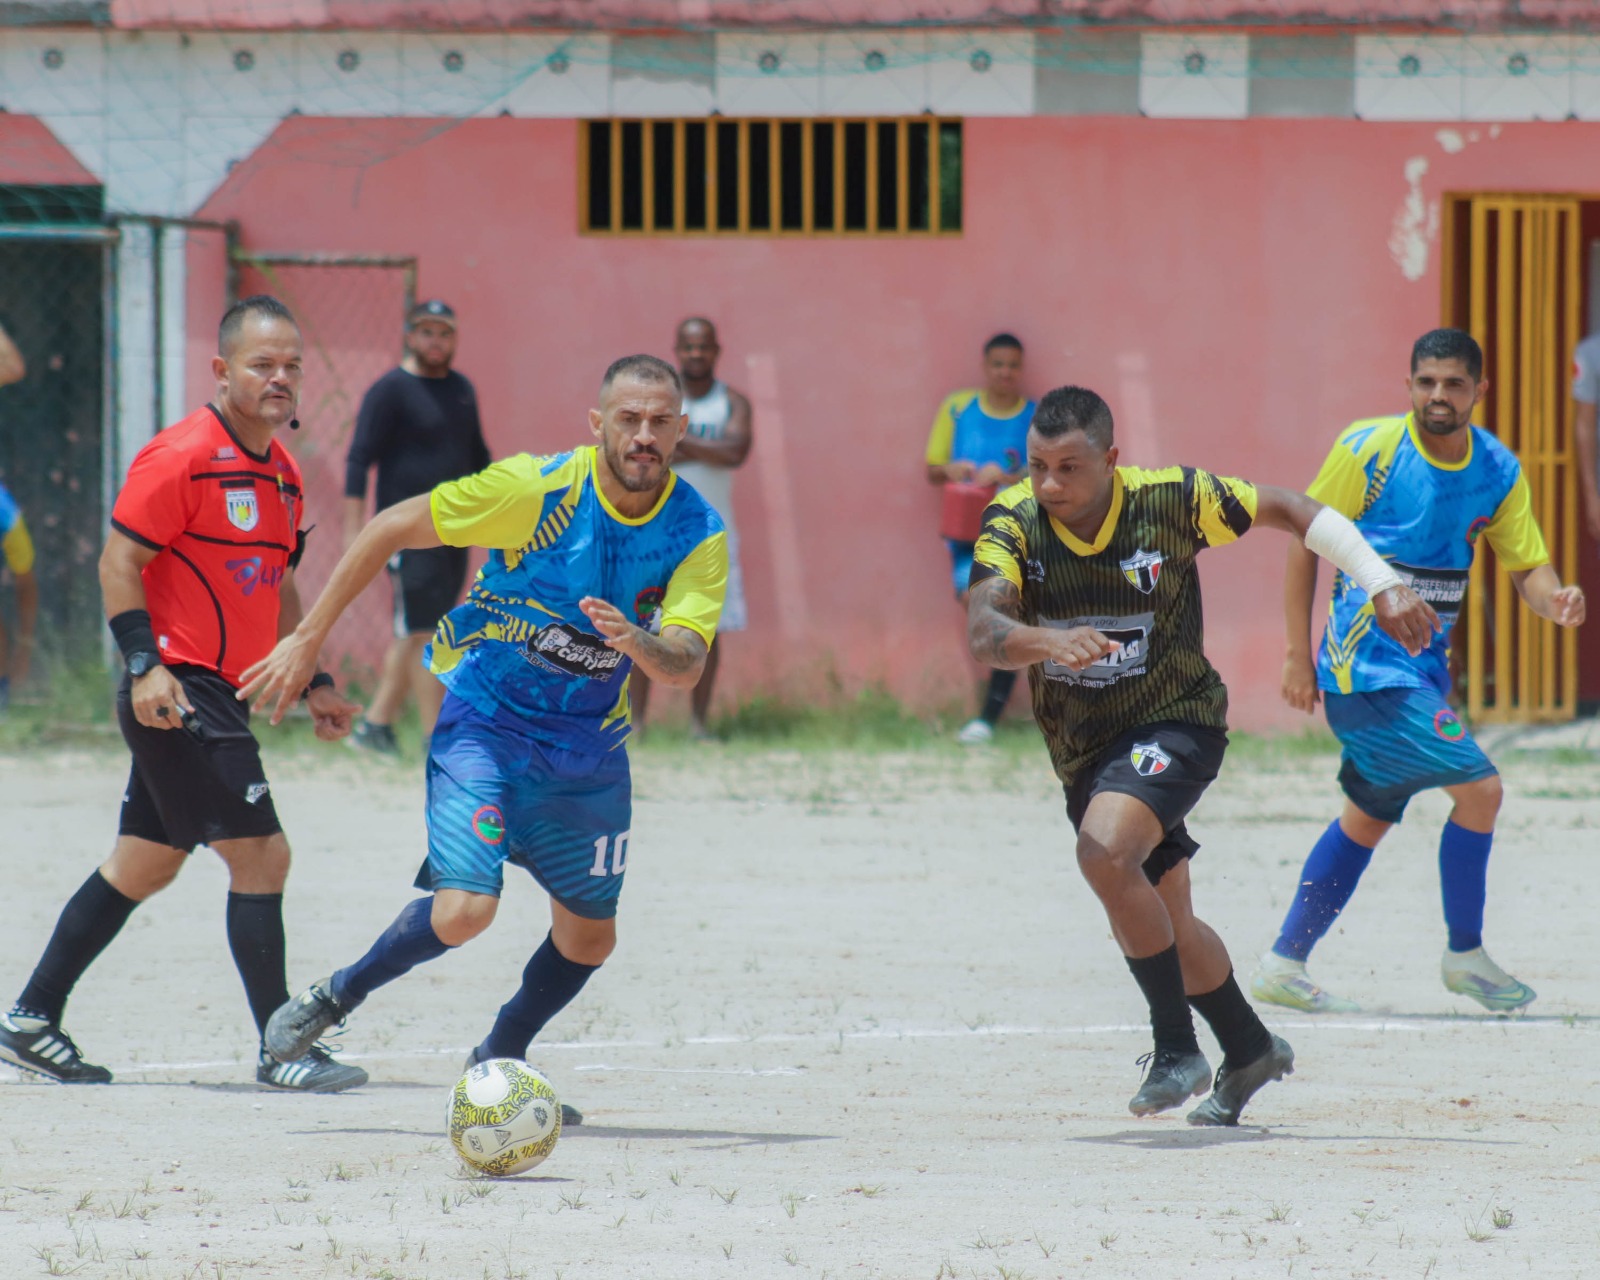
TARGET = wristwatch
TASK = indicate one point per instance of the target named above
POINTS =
(142, 663)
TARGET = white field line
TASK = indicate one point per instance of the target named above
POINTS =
(1336, 1024)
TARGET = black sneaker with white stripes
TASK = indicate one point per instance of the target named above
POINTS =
(316, 1072)
(296, 1024)
(570, 1116)
(44, 1049)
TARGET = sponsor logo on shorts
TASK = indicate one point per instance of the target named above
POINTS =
(570, 652)
(1475, 528)
(1148, 759)
(489, 825)
(256, 792)
(1447, 726)
(1142, 570)
(243, 513)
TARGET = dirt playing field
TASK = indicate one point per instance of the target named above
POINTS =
(864, 1021)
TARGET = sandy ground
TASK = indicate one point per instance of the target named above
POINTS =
(865, 1021)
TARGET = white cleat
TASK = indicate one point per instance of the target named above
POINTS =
(1472, 973)
(976, 733)
(1280, 980)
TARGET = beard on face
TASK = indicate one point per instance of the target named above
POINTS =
(1443, 426)
(617, 460)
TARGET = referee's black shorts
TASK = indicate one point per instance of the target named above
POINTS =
(189, 787)
(427, 583)
(1168, 766)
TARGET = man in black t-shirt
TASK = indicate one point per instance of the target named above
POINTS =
(419, 425)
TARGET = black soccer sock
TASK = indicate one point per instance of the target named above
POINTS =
(549, 983)
(255, 936)
(1242, 1035)
(406, 943)
(1160, 977)
(92, 917)
(1001, 683)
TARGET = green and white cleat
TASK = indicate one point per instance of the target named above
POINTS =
(1282, 981)
(1472, 973)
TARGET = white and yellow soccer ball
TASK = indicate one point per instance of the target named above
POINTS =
(503, 1117)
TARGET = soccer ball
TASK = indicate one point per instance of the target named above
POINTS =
(503, 1117)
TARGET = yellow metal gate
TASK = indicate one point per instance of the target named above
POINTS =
(1512, 278)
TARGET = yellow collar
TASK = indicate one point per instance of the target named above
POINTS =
(648, 516)
(1108, 526)
(1430, 459)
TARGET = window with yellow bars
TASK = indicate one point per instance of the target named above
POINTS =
(770, 177)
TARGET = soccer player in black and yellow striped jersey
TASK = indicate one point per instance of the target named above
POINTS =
(1085, 575)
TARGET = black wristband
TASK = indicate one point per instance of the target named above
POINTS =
(322, 680)
(133, 633)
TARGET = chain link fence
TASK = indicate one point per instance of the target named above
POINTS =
(351, 312)
(56, 286)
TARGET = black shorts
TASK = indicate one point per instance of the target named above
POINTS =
(185, 789)
(1167, 766)
(427, 583)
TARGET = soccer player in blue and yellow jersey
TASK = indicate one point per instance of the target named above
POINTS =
(980, 436)
(1423, 488)
(600, 562)
(16, 548)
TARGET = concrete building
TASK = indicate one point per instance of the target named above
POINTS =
(1232, 231)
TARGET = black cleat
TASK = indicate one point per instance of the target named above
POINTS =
(1173, 1079)
(1235, 1086)
(297, 1025)
(44, 1049)
(570, 1116)
(316, 1072)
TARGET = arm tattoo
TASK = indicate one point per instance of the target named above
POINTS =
(994, 608)
(675, 656)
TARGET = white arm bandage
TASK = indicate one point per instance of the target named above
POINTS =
(1334, 538)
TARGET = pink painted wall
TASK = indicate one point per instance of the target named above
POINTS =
(446, 15)
(1231, 287)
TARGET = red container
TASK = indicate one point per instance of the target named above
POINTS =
(961, 517)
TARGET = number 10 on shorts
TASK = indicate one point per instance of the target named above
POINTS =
(616, 849)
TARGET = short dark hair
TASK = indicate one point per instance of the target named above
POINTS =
(1006, 340)
(1449, 344)
(257, 304)
(644, 369)
(685, 323)
(1068, 409)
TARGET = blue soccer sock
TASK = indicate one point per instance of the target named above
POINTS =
(549, 983)
(406, 943)
(1331, 874)
(1464, 883)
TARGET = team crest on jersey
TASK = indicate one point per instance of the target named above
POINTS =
(242, 510)
(1143, 570)
(1148, 759)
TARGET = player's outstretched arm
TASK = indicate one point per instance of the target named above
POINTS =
(1545, 595)
(1400, 611)
(674, 658)
(280, 677)
(1299, 686)
(998, 638)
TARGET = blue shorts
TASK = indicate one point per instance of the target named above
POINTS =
(498, 796)
(1398, 742)
(960, 565)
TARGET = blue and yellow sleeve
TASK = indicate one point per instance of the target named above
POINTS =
(17, 546)
(503, 506)
(1002, 547)
(1342, 481)
(942, 438)
(1514, 533)
(697, 588)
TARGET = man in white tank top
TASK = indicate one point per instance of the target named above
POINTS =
(715, 446)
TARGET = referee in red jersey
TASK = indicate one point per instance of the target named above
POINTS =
(198, 580)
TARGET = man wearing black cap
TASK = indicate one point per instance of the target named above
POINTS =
(419, 425)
